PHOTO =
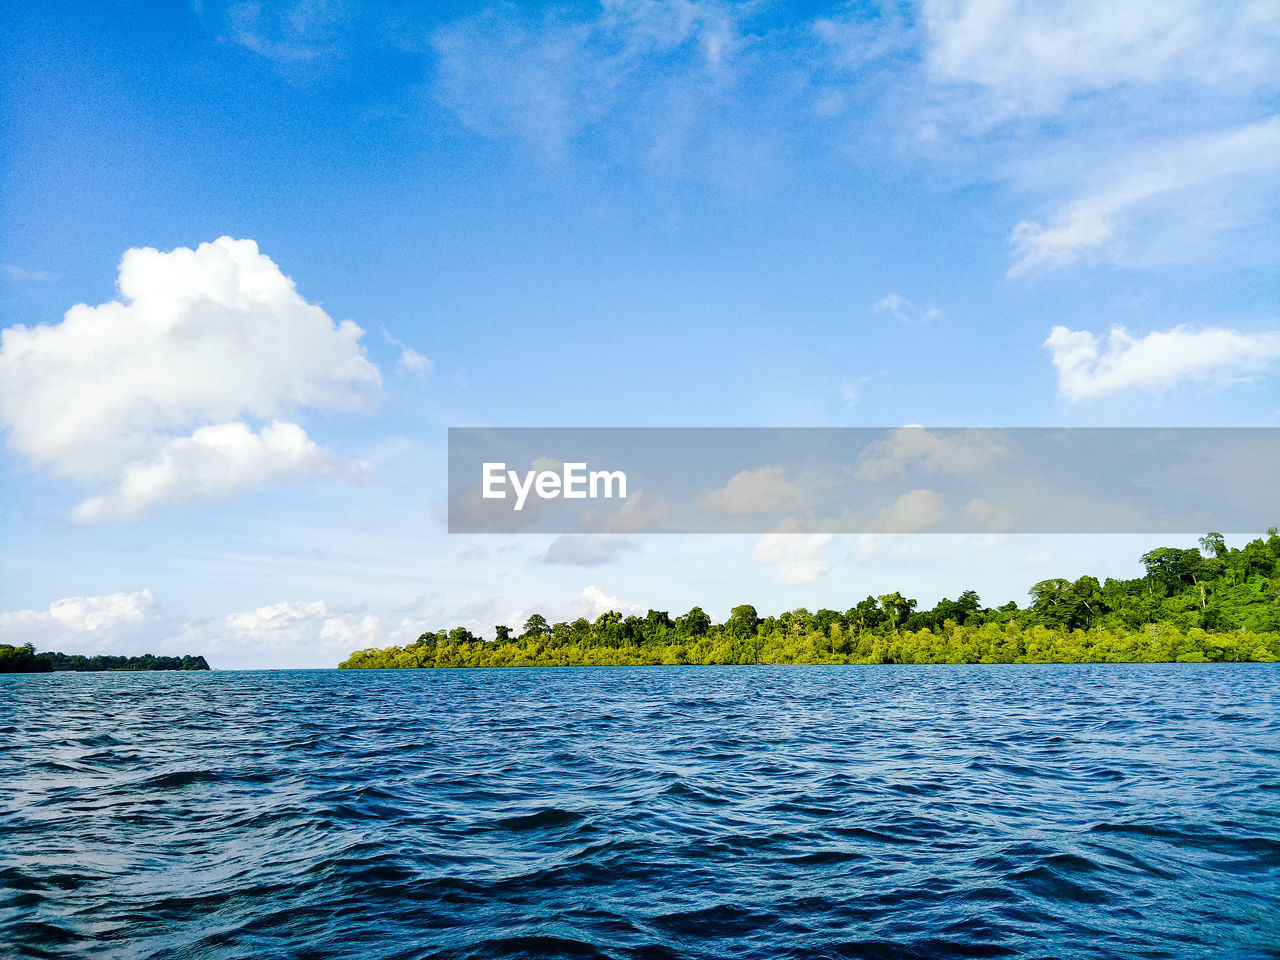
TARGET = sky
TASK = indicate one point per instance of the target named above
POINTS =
(256, 259)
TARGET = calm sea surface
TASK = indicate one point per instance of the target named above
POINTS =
(1096, 811)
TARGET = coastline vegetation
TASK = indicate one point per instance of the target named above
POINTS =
(24, 659)
(1191, 606)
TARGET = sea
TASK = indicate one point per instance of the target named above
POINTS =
(1067, 811)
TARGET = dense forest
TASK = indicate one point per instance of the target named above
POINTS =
(1192, 606)
(24, 659)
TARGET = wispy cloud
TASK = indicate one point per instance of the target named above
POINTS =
(1196, 188)
(1164, 106)
(1033, 57)
(686, 89)
(851, 391)
(410, 360)
(295, 33)
(22, 274)
(904, 311)
(1147, 133)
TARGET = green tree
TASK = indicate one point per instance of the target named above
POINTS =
(536, 627)
(1214, 543)
(695, 623)
(743, 620)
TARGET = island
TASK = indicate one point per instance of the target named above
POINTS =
(1212, 604)
(24, 659)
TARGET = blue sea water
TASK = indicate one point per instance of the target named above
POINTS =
(744, 812)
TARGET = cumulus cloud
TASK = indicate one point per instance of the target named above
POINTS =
(306, 633)
(912, 512)
(589, 550)
(298, 623)
(1089, 367)
(989, 516)
(589, 604)
(214, 464)
(954, 454)
(801, 558)
(148, 393)
(85, 614)
(87, 625)
(598, 602)
(633, 516)
(754, 491)
(287, 634)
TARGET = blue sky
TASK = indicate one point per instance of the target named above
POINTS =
(589, 214)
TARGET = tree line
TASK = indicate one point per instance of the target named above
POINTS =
(1209, 604)
(24, 659)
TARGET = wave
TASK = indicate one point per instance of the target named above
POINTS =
(642, 814)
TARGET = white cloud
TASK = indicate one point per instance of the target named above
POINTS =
(1032, 57)
(1086, 368)
(880, 550)
(754, 491)
(410, 360)
(684, 89)
(892, 303)
(85, 614)
(278, 622)
(851, 390)
(308, 633)
(545, 80)
(414, 362)
(22, 274)
(1201, 187)
(87, 625)
(147, 391)
(295, 33)
(589, 604)
(951, 453)
(295, 624)
(912, 512)
(214, 464)
(588, 551)
(287, 634)
(599, 602)
(904, 311)
(632, 517)
(1148, 128)
(989, 516)
(801, 558)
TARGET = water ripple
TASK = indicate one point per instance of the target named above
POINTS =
(629, 814)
